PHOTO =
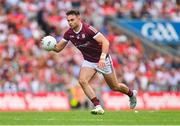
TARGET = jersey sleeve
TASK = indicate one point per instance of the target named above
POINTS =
(92, 31)
(66, 37)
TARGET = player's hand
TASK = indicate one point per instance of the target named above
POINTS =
(101, 63)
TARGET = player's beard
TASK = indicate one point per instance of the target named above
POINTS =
(75, 27)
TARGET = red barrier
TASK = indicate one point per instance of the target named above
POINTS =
(150, 100)
(33, 102)
(112, 101)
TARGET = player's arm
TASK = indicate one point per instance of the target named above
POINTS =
(105, 47)
(60, 46)
(104, 42)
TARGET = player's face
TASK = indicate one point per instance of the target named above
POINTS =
(73, 21)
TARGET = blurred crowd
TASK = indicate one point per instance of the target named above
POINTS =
(25, 66)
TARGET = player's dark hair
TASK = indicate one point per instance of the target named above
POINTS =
(73, 12)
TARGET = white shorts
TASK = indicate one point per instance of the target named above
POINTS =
(106, 70)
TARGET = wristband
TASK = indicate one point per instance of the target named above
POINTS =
(103, 55)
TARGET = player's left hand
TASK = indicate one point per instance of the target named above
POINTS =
(101, 63)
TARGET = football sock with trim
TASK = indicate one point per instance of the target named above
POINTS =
(130, 93)
(95, 101)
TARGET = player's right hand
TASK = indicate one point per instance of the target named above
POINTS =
(101, 63)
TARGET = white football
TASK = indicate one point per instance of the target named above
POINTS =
(48, 42)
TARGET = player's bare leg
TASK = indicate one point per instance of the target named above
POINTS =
(112, 81)
(86, 74)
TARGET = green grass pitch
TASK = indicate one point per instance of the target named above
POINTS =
(83, 117)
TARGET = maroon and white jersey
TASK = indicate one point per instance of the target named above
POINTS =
(85, 42)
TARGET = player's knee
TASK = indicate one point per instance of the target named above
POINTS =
(82, 81)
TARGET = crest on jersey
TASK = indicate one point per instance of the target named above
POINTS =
(83, 36)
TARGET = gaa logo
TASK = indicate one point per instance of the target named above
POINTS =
(159, 32)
